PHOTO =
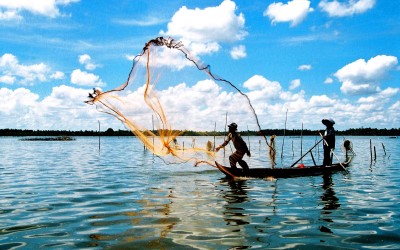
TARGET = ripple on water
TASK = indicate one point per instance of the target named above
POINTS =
(68, 196)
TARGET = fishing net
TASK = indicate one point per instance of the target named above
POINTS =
(170, 93)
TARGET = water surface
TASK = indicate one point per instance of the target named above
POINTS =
(71, 195)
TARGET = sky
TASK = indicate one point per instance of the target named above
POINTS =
(307, 59)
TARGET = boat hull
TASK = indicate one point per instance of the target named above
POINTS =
(282, 172)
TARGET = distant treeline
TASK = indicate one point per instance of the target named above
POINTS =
(268, 132)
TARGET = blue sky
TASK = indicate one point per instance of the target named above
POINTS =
(315, 59)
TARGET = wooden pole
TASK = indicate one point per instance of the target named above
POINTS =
(292, 149)
(306, 153)
(384, 150)
(370, 148)
(374, 153)
(226, 124)
(248, 137)
(152, 123)
(301, 140)
(99, 134)
(215, 128)
(312, 157)
(284, 134)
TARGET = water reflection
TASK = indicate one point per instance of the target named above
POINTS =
(234, 213)
(126, 198)
(329, 200)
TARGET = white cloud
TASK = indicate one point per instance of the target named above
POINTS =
(9, 15)
(87, 61)
(328, 80)
(305, 67)
(207, 27)
(352, 7)
(381, 97)
(321, 101)
(363, 76)
(294, 11)
(210, 24)
(62, 109)
(258, 82)
(198, 106)
(238, 52)
(57, 75)
(7, 79)
(147, 21)
(294, 84)
(11, 71)
(14, 101)
(83, 78)
(11, 10)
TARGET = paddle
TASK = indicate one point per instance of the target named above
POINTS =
(334, 154)
(306, 153)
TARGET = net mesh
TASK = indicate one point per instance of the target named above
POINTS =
(169, 92)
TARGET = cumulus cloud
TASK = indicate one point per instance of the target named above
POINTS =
(203, 29)
(238, 52)
(13, 72)
(7, 79)
(305, 67)
(13, 101)
(87, 61)
(352, 7)
(361, 77)
(63, 108)
(83, 78)
(321, 101)
(294, 11)
(194, 106)
(11, 10)
(294, 84)
(381, 97)
(166, 57)
(57, 75)
(143, 22)
(328, 80)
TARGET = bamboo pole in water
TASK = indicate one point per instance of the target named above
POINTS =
(384, 150)
(292, 149)
(248, 138)
(99, 134)
(215, 128)
(284, 134)
(370, 148)
(301, 140)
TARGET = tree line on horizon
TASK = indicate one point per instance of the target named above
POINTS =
(267, 132)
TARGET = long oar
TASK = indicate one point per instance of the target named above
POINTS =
(306, 153)
(337, 158)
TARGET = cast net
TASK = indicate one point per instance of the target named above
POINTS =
(170, 93)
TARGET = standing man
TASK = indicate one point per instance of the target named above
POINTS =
(240, 146)
(329, 140)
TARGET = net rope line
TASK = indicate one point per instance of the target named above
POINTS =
(151, 99)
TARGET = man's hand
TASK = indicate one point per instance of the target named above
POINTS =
(248, 154)
(217, 148)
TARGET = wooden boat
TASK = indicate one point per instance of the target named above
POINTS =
(282, 172)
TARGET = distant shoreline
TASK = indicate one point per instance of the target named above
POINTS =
(267, 132)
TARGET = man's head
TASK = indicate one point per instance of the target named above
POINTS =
(328, 122)
(232, 127)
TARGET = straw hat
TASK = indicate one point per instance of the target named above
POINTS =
(328, 121)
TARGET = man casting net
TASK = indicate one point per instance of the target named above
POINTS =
(170, 92)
